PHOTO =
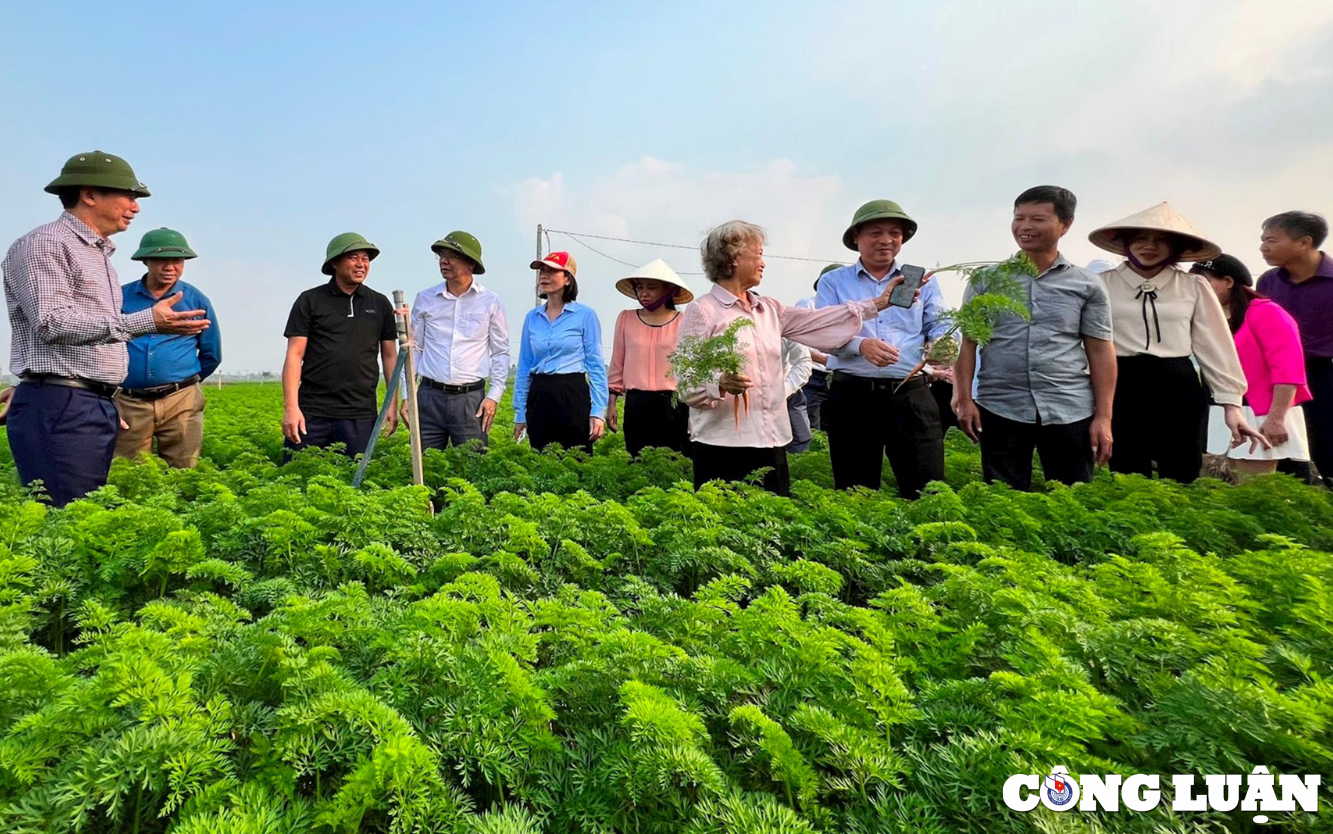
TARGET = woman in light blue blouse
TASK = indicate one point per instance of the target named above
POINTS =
(560, 388)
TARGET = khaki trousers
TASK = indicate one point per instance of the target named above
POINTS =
(176, 422)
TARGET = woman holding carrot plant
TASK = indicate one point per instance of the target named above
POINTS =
(739, 421)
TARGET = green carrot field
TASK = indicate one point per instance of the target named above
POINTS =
(572, 645)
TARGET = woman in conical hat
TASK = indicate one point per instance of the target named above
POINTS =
(1164, 320)
(639, 370)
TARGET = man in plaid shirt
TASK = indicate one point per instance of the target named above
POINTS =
(64, 302)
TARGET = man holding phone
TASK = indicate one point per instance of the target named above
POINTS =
(871, 409)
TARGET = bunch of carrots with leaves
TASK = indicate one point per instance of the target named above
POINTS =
(702, 360)
(998, 292)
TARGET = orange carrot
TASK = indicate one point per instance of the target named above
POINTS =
(910, 374)
(736, 411)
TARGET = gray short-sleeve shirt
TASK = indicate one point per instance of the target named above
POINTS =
(1038, 369)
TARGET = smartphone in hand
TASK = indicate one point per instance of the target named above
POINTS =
(905, 293)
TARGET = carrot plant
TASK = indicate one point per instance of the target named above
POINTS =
(589, 644)
(702, 360)
(998, 293)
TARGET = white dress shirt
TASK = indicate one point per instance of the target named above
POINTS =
(808, 303)
(461, 339)
(797, 363)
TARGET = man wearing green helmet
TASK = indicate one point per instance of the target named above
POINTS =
(161, 401)
(337, 334)
(462, 341)
(873, 410)
(69, 331)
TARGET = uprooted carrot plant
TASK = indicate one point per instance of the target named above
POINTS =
(997, 293)
(703, 360)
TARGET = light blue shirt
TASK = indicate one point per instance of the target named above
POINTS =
(572, 344)
(906, 328)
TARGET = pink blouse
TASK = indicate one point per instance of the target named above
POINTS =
(1269, 344)
(765, 425)
(639, 354)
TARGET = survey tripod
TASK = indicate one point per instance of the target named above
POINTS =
(406, 370)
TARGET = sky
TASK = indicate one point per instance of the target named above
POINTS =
(263, 130)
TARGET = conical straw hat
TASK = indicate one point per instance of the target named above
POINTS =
(656, 271)
(1159, 218)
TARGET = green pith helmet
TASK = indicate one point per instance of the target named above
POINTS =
(163, 243)
(878, 210)
(344, 243)
(826, 270)
(465, 245)
(99, 170)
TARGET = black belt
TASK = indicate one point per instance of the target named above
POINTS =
(866, 383)
(101, 389)
(157, 392)
(453, 389)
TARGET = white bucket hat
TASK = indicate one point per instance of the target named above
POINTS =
(656, 271)
(1159, 218)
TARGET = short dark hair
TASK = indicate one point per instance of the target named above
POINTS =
(1299, 224)
(1062, 199)
(69, 195)
(571, 290)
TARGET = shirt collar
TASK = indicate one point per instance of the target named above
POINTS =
(474, 289)
(1060, 264)
(861, 271)
(724, 297)
(334, 291)
(85, 232)
(141, 288)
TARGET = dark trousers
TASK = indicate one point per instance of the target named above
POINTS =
(866, 419)
(323, 432)
(798, 414)
(1319, 414)
(816, 392)
(448, 417)
(736, 463)
(63, 437)
(1007, 447)
(1161, 416)
(559, 406)
(651, 420)
(943, 393)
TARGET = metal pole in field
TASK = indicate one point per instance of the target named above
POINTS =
(536, 290)
(409, 387)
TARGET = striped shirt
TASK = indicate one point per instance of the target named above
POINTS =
(64, 304)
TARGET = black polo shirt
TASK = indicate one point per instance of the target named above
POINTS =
(341, 369)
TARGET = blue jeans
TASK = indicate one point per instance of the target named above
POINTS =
(63, 437)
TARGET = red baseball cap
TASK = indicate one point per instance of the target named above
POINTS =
(558, 260)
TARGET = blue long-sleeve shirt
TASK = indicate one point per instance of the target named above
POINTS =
(160, 358)
(572, 344)
(906, 328)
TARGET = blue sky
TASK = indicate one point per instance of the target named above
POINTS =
(264, 130)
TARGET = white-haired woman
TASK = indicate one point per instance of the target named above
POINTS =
(730, 442)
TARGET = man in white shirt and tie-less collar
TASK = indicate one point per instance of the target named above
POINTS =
(462, 344)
